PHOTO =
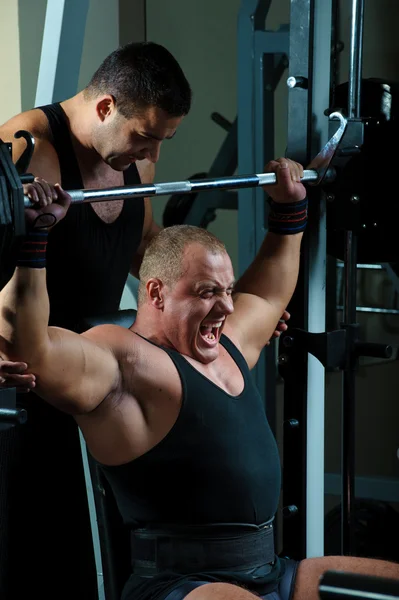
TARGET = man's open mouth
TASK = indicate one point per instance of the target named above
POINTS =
(210, 332)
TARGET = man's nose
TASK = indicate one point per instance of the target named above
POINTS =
(228, 306)
(152, 154)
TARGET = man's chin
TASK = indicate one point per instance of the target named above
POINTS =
(118, 164)
(206, 355)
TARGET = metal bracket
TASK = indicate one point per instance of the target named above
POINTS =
(334, 349)
(23, 162)
(322, 160)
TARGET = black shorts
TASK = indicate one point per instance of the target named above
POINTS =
(284, 589)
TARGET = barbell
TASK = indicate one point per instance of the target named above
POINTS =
(176, 187)
(13, 201)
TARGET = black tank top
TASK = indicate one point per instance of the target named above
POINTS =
(218, 464)
(88, 260)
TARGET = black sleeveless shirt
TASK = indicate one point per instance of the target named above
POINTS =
(88, 260)
(218, 464)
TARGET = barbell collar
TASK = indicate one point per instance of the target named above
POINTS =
(176, 187)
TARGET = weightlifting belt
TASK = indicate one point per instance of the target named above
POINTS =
(198, 549)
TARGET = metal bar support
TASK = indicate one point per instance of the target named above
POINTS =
(295, 373)
(350, 287)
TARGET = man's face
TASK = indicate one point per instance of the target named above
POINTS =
(196, 307)
(122, 141)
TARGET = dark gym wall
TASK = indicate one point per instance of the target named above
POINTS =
(101, 36)
(202, 36)
(132, 21)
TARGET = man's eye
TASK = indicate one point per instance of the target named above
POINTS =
(206, 294)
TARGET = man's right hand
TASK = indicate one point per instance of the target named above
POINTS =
(13, 375)
(51, 200)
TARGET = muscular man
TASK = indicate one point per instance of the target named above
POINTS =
(109, 134)
(170, 411)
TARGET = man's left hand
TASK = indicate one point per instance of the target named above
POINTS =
(288, 187)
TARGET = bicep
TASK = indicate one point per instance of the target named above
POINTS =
(75, 373)
(252, 324)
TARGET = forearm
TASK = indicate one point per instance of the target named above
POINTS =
(24, 310)
(274, 272)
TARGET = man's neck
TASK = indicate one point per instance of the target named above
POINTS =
(77, 111)
(148, 326)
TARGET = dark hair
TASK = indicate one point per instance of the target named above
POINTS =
(140, 75)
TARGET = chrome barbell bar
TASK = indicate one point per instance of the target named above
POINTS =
(177, 187)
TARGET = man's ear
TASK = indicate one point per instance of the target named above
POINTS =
(155, 293)
(105, 107)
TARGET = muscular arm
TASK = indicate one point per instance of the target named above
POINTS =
(72, 373)
(150, 228)
(265, 289)
(263, 293)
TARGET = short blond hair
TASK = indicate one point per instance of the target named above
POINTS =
(163, 258)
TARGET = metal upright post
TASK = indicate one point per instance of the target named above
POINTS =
(350, 287)
(304, 389)
(261, 60)
(317, 264)
(295, 373)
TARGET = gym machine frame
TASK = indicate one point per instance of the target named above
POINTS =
(262, 57)
(303, 482)
(304, 378)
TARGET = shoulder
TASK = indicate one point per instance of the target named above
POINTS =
(114, 337)
(144, 365)
(35, 122)
(124, 343)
